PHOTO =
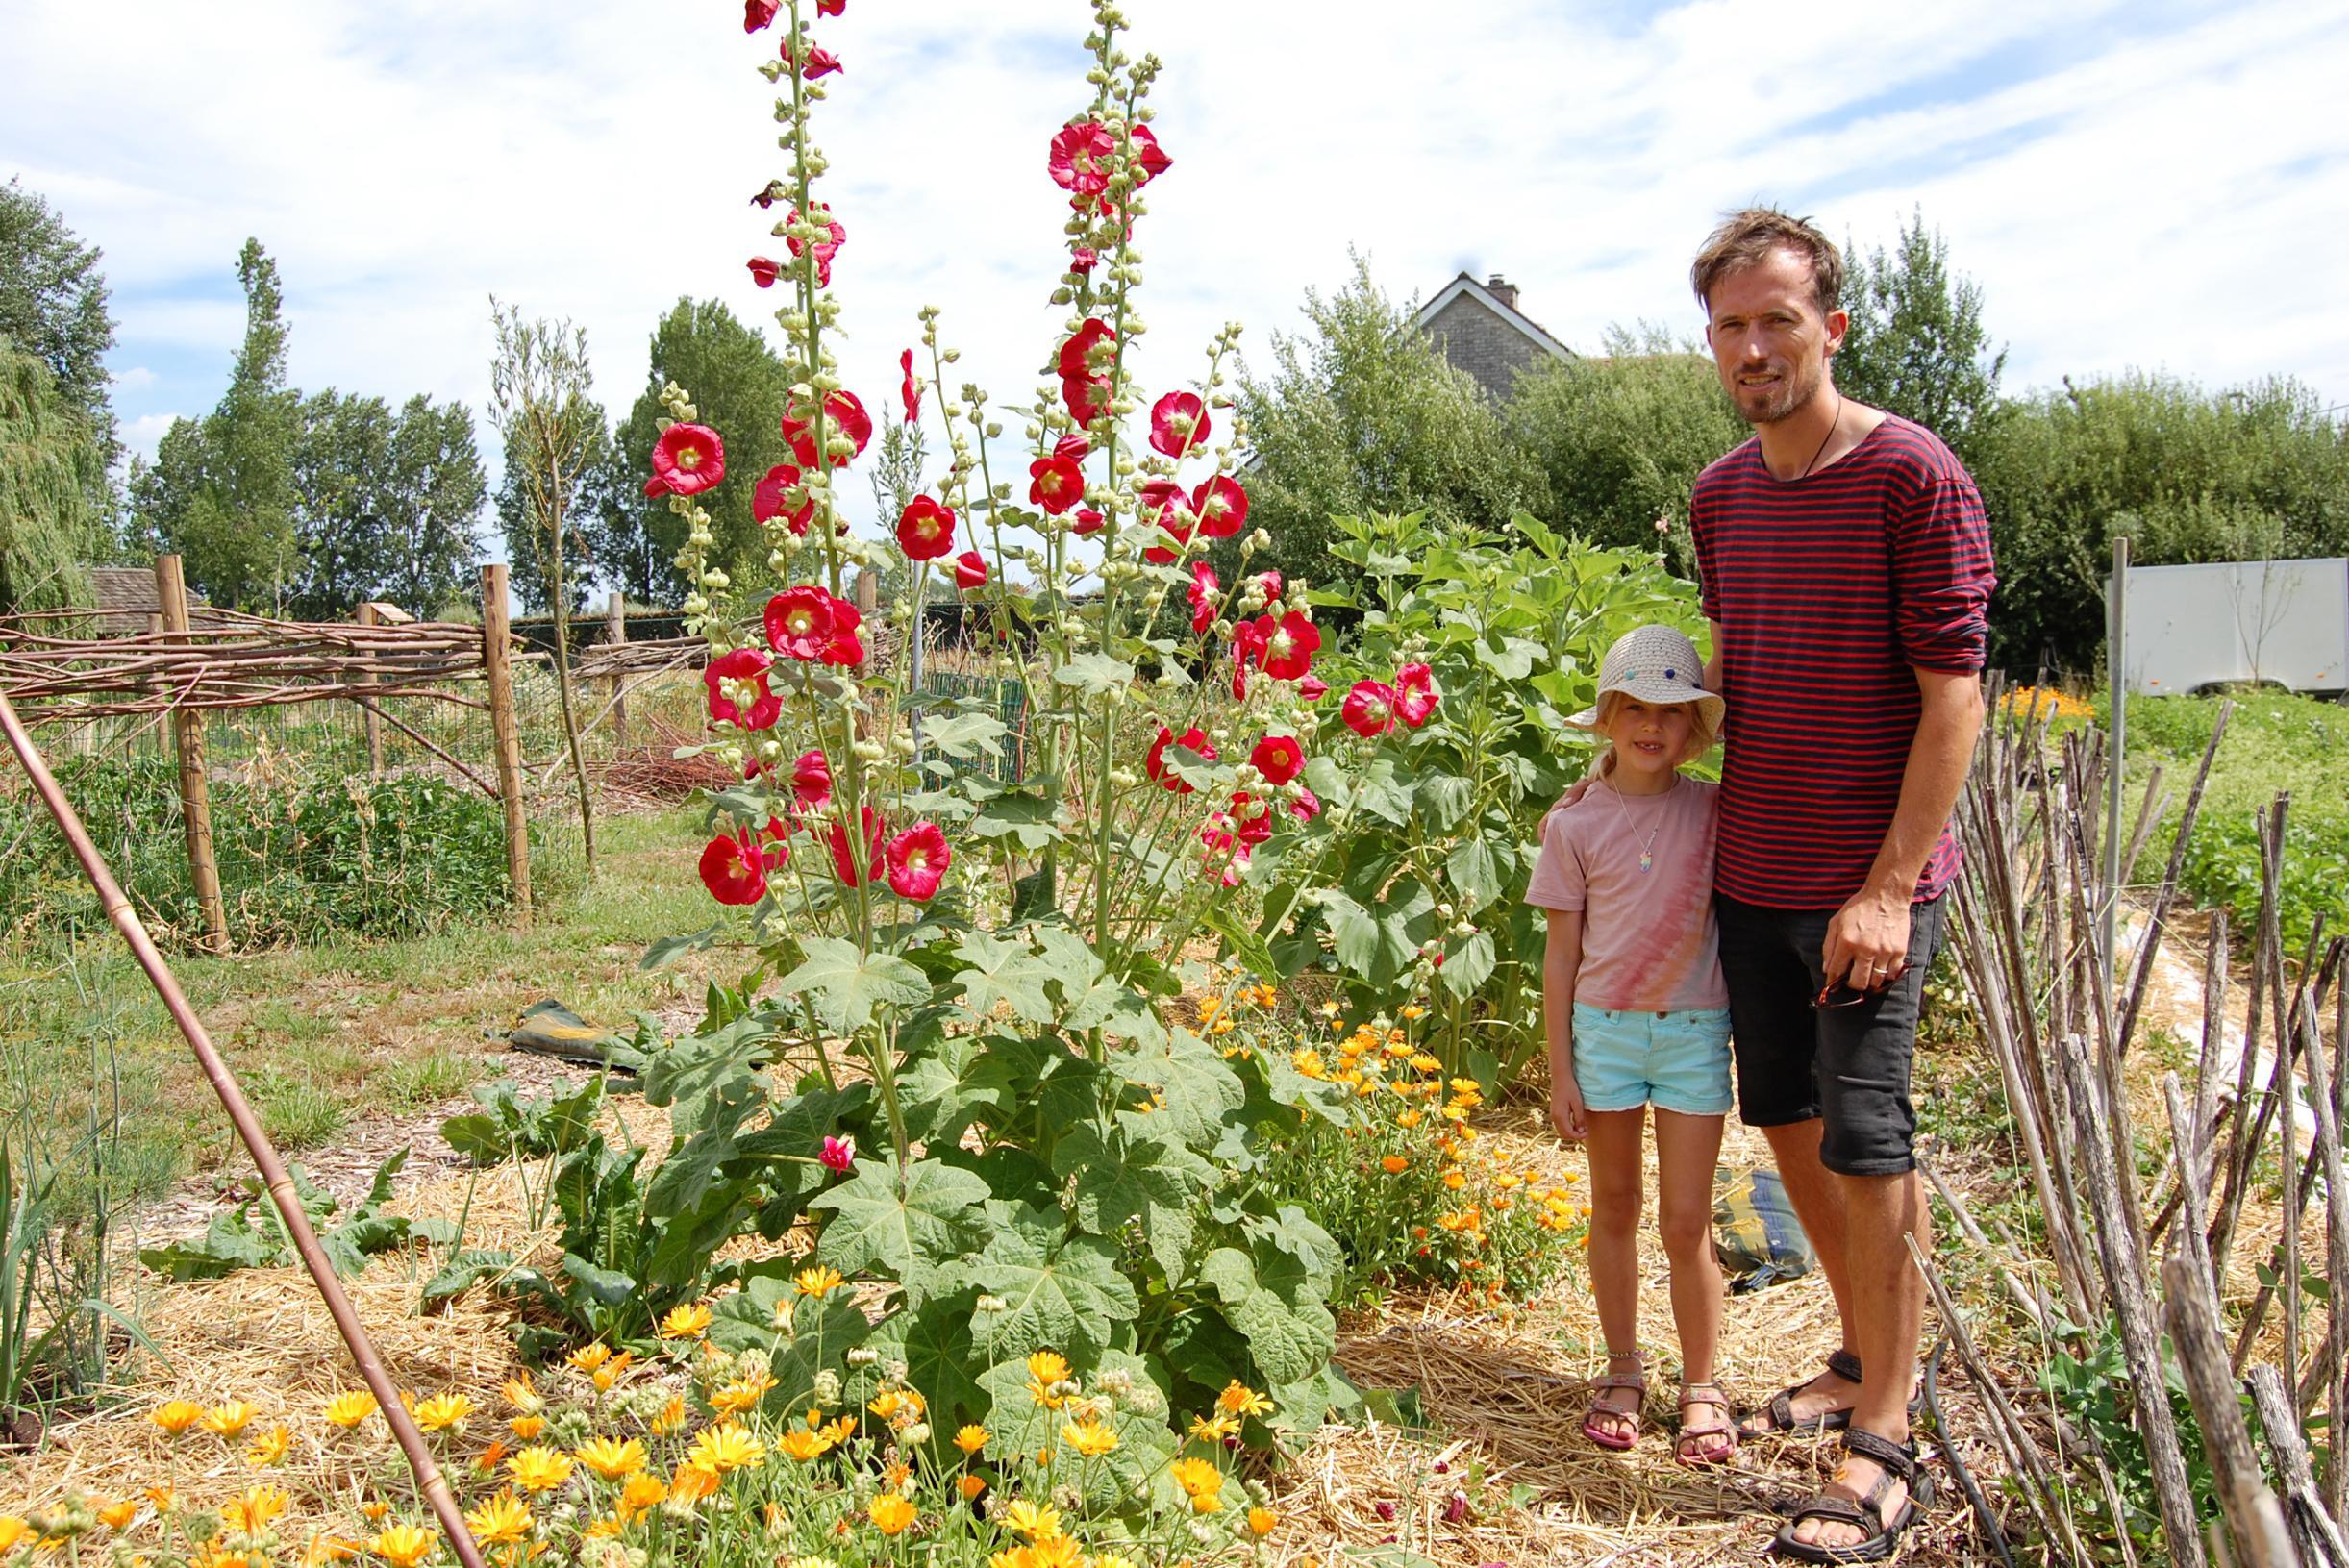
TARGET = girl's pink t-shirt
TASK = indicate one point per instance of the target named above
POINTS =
(1649, 941)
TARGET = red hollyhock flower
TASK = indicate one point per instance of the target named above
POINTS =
(802, 622)
(1090, 352)
(1305, 806)
(1253, 830)
(1154, 765)
(1150, 160)
(830, 8)
(1415, 694)
(1278, 758)
(742, 665)
(1369, 709)
(908, 389)
(918, 859)
(825, 249)
(756, 13)
(1056, 485)
(970, 570)
(1087, 400)
(1076, 446)
(1179, 423)
(687, 460)
(846, 648)
(1079, 159)
(1269, 583)
(1291, 642)
(1089, 521)
(774, 192)
(1162, 501)
(733, 868)
(1222, 506)
(1312, 688)
(843, 415)
(1247, 648)
(843, 858)
(837, 1155)
(763, 272)
(1204, 588)
(812, 780)
(1082, 259)
(772, 499)
(925, 529)
(820, 62)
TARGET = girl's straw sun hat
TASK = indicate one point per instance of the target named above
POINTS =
(1655, 664)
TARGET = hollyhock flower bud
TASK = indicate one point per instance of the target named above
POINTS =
(757, 14)
(970, 570)
(1076, 447)
(1204, 588)
(917, 860)
(1312, 688)
(1305, 806)
(825, 249)
(687, 460)
(908, 389)
(1179, 423)
(852, 871)
(812, 780)
(839, 1153)
(733, 868)
(925, 529)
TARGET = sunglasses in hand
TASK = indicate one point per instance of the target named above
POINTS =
(1836, 994)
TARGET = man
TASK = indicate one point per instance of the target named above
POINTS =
(1846, 569)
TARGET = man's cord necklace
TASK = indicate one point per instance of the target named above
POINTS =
(1832, 425)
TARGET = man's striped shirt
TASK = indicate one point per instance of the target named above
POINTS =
(1826, 594)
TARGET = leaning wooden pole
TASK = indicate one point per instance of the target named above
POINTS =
(195, 784)
(497, 656)
(257, 1142)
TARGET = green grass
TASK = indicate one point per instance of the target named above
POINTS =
(321, 1034)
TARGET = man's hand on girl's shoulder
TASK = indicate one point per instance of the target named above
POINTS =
(1575, 791)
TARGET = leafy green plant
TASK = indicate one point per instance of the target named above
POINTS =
(2094, 1391)
(251, 1235)
(513, 1126)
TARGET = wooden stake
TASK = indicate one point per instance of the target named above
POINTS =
(615, 633)
(498, 657)
(2314, 1532)
(375, 725)
(2252, 1516)
(195, 785)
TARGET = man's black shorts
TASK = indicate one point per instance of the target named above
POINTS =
(1846, 1066)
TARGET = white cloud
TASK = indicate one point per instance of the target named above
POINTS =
(143, 434)
(2144, 196)
(136, 380)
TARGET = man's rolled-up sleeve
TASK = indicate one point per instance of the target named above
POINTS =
(1943, 575)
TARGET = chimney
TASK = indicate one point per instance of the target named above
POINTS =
(1502, 289)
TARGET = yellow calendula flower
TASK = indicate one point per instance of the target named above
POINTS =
(692, 1483)
(501, 1521)
(528, 1427)
(268, 1449)
(1308, 1062)
(1262, 1521)
(672, 1417)
(726, 1446)
(162, 1499)
(116, 1515)
(1198, 1479)
(818, 1282)
(443, 1412)
(970, 1439)
(611, 1457)
(891, 1513)
(640, 1492)
(230, 1417)
(1047, 1366)
(590, 1357)
(1239, 1399)
(1394, 1164)
(1091, 1438)
(403, 1546)
(686, 1322)
(1037, 1521)
(324, 1549)
(349, 1409)
(741, 1395)
(1059, 1552)
(523, 1394)
(539, 1469)
(251, 1513)
(12, 1530)
(802, 1445)
(1213, 1428)
(604, 1526)
(608, 1376)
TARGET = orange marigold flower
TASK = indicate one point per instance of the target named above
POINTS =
(1394, 1164)
(349, 1409)
(970, 1439)
(268, 1449)
(117, 1515)
(640, 1492)
(891, 1513)
(692, 1483)
(488, 1458)
(690, 1321)
(671, 1419)
(528, 1427)
(1262, 1521)
(741, 1395)
(970, 1486)
(1240, 1399)
(230, 1417)
(404, 1546)
(590, 1357)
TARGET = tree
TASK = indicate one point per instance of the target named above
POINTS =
(52, 481)
(1917, 345)
(1620, 439)
(538, 389)
(740, 390)
(1364, 414)
(388, 505)
(53, 305)
(595, 519)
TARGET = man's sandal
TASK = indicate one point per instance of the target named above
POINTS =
(1895, 1461)
(1695, 1447)
(1778, 1416)
(1611, 1437)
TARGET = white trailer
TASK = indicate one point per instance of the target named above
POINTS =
(2282, 623)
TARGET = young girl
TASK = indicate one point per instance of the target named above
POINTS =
(1633, 1001)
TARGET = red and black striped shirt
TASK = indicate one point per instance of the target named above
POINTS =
(1826, 594)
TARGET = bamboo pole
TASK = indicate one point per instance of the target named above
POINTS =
(375, 723)
(195, 785)
(274, 1176)
(496, 634)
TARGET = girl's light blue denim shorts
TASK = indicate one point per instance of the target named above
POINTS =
(1680, 1061)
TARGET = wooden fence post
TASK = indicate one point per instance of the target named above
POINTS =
(496, 631)
(615, 633)
(375, 725)
(195, 785)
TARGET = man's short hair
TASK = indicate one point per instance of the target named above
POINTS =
(1746, 238)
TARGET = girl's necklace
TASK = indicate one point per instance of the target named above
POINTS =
(1647, 848)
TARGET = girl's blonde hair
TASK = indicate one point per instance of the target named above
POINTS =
(1701, 736)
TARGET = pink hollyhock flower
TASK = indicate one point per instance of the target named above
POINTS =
(908, 389)
(801, 622)
(1090, 352)
(1089, 521)
(820, 62)
(756, 13)
(970, 570)
(1305, 806)
(918, 859)
(925, 529)
(687, 460)
(812, 780)
(742, 665)
(1076, 447)
(772, 499)
(1179, 423)
(839, 1153)
(1193, 739)
(843, 861)
(843, 415)
(1415, 694)
(1150, 160)
(1079, 159)
(1312, 688)
(733, 868)
(1082, 259)
(1054, 484)
(763, 272)
(1204, 588)
(1278, 758)
(1290, 641)
(1269, 584)
(825, 249)
(1222, 506)
(1369, 709)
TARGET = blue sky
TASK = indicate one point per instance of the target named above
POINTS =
(2162, 186)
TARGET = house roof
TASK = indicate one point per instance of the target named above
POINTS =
(1462, 283)
(125, 598)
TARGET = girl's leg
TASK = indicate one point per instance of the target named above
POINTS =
(1616, 1192)
(1686, 1148)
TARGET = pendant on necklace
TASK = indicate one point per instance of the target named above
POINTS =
(1647, 862)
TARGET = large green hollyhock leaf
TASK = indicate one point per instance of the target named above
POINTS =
(913, 1233)
(846, 985)
(1057, 1291)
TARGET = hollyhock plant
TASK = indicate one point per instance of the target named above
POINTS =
(1290, 641)
(1179, 423)
(687, 460)
(1222, 506)
(1415, 694)
(733, 868)
(1054, 484)
(770, 500)
(1278, 758)
(803, 622)
(925, 529)
(970, 570)
(1193, 739)
(1369, 709)
(742, 664)
(844, 417)
(917, 860)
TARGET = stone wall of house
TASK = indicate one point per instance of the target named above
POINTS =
(1475, 340)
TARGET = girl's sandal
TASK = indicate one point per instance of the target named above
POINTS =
(1624, 1433)
(1708, 1445)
